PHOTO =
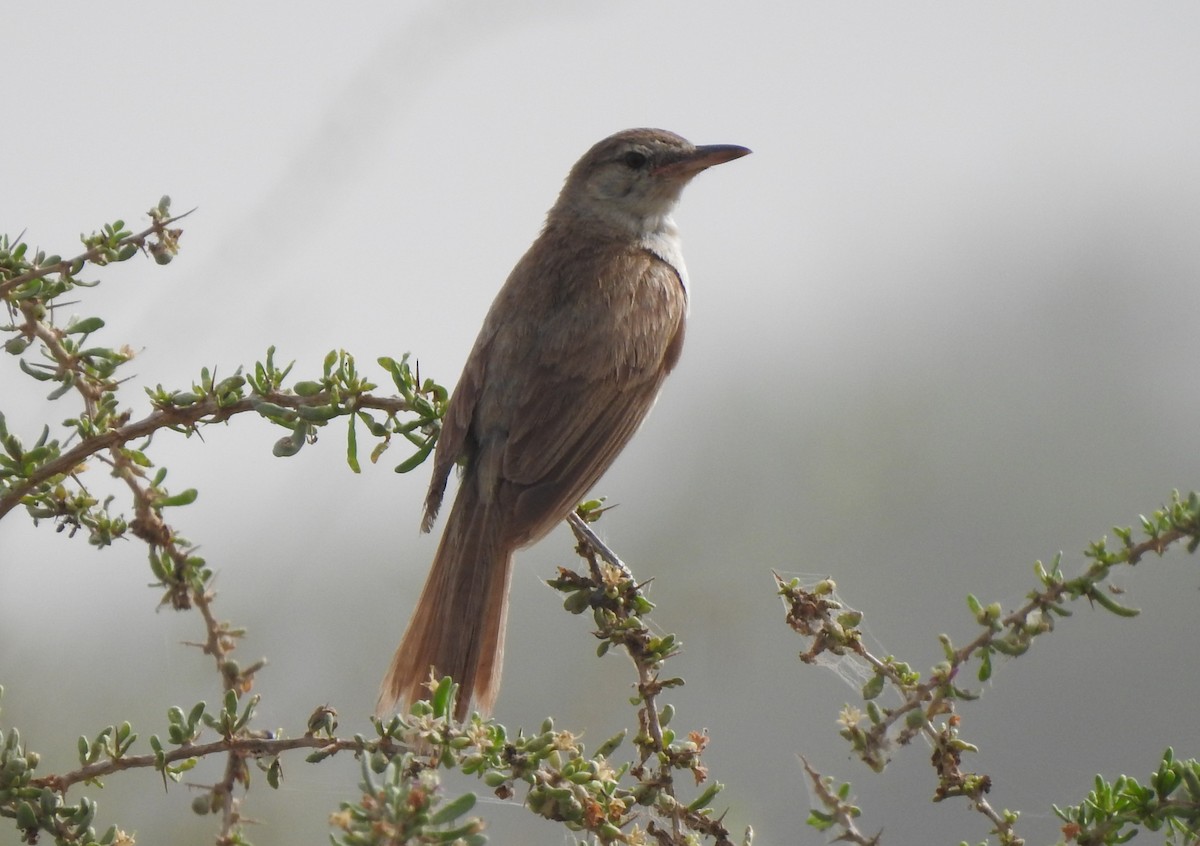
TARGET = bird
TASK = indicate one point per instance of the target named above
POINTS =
(567, 365)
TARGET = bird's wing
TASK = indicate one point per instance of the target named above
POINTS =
(453, 441)
(579, 411)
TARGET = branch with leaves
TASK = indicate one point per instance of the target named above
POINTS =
(634, 803)
(47, 479)
(929, 707)
(661, 794)
(402, 802)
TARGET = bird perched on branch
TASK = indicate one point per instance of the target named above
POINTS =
(568, 363)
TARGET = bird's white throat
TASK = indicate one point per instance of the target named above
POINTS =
(663, 240)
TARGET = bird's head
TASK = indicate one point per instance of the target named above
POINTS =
(632, 180)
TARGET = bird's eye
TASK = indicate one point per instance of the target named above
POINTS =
(634, 160)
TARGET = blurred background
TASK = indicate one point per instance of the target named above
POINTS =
(943, 324)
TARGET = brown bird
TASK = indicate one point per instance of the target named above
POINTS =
(568, 363)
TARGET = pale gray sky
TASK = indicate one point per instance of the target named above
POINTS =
(943, 324)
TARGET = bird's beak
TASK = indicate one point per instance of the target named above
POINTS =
(688, 164)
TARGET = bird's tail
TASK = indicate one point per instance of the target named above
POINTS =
(457, 628)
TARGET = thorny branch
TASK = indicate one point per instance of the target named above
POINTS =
(247, 747)
(928, 707)
(210, 410)
(158, 229)
(586, 793)
(613, 590)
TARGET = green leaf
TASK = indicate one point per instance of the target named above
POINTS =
(985, 666)
(376, 428)
(414, 461)
(27, 817)
(463, 834)
(974, 604)
(138, 457)
(441, 697)
(704, 798)
(318, 413)
(873, 687)
(68, 383)
(177, 770)
(1105, 601)
(453, 810)
(40, 375)
(609, 746)
(819, 820)
(85, 326)
(274, 774)
(289, 446)
(182, 498)
(270, 410)
(308, 389)
(352, 446)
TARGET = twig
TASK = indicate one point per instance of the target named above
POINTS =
(250, 747)
(584, 533)
(637, 642)
(815, 615)
(841, 811)
(208, 410)
(91, 256)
